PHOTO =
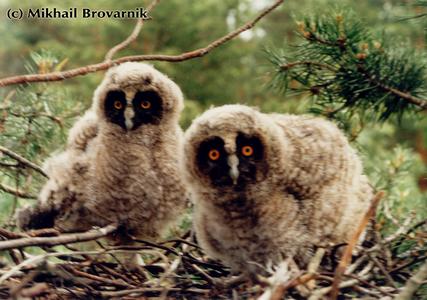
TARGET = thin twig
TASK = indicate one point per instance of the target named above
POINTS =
(402, 229)
(59, 240)
(16, 192)
(39, 259)
(280, 291)
(22, 160)
(139, 291)
(58, 76)
(352, 243)
(360, 279)
(318, 294)
(10, 234)
(37, 115)
(408, 264)
(412, 99)
(132, 37)
(383, 270)
(422, 103)
(206, 276)
(119, 283)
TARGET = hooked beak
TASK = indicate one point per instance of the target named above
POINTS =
(129, 114)
(233, 162)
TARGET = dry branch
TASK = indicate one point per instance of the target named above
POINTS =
(280, 291)
(16, 192)
(352, 243)
(68, 238)
(22, 160)
(134, 292)
(182, 272)
(132, 37)
(119, 283)
(58, 76)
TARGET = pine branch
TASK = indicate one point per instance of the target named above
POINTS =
(58, 76)
(347, 69)
(307, 63)
(422, 103)
(22, 160)
(418, 4)
(16, 192)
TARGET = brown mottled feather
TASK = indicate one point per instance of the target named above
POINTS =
(314, 192)
(108, 174)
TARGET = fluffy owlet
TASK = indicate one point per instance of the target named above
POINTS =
(267, 187)
(121, 161)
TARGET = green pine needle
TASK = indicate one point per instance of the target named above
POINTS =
(339, 61)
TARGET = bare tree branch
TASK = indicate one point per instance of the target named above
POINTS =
(58, 76)
(138, 292)
(22, 160)
(422, 103)
(346, 257)
(16, 192)
(132, 37)
(67, 238)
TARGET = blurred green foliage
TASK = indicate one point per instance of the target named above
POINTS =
(34, 119)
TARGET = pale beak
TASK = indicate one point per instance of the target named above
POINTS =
(129, 114)
(233, 162)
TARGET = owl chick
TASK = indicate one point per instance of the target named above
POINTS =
(267, 187)
(121, 162)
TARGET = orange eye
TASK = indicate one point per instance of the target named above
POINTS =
(145, 104)
(247, 150)
(118, 104)
(214, 154)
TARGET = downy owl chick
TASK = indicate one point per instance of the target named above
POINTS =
(121, 161)
(267, 187)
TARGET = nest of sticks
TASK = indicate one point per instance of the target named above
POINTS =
(383, 267)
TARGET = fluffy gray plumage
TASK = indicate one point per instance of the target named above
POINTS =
(267, 187)
(121, 161)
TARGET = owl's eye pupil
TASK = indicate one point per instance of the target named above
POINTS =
(247, 150)
(118, 104)
(213, 154)
(145, 104)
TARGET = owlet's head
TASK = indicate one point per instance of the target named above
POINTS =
(135, 95)
(228, 148)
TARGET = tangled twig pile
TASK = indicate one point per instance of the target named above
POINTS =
(383, 268)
